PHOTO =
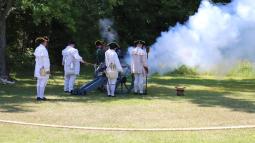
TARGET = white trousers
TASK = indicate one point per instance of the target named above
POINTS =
(69, 82)
(41, 84)
(139, 82)
(111, 85)
(144, 82)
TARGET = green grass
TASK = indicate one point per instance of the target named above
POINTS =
(209, 101)
(21, 134)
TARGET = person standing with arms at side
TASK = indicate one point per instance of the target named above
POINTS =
(113, 67)
(138, 64)
(100, 52)
(145, 70)
(71, 62)
(42, 66)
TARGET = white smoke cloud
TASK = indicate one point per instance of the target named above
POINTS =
(106, 30)
(215, 38)
(128, 55)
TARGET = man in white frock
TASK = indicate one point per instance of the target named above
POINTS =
(71, 62)
(138, 66)
(42, 67)
(145, 72)
(113, 67)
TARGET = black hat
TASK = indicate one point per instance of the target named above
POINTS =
(98, 42)
(139, 42)
(113, 45)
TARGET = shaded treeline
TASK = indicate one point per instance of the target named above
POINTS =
(69, 19)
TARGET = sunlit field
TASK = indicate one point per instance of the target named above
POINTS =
(209, 101)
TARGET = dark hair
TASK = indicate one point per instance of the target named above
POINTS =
(113, 45)
(71, 42)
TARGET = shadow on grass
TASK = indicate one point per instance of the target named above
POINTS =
(244, 85)
(13, 98)
(211, 99)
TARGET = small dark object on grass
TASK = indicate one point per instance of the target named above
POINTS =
(180, 91)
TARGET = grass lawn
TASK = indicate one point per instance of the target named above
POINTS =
(209, 102)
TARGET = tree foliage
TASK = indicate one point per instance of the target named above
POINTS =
(63, 20)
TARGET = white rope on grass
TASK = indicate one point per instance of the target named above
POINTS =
(130, 129)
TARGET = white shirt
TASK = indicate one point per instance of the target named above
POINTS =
(112, 57)
(71, 56)
(138, 60)
(41, 60)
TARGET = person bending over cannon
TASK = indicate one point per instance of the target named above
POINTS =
(113, 67)
(71, 62)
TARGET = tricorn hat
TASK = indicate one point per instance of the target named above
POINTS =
(139, 42)
(42, 39)
(113, 45)
(98, 42)
(103, 43)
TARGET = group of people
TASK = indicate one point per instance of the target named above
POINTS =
(109, 54)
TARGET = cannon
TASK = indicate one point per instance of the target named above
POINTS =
(124, 83)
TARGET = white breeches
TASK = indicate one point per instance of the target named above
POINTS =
(144, 82)
(41, 84)
(69, 82)
(139, 82)
(111, 84)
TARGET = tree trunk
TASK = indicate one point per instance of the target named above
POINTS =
(5, 9)
(3, 73)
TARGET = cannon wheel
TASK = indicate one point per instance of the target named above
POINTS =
(124, 84)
